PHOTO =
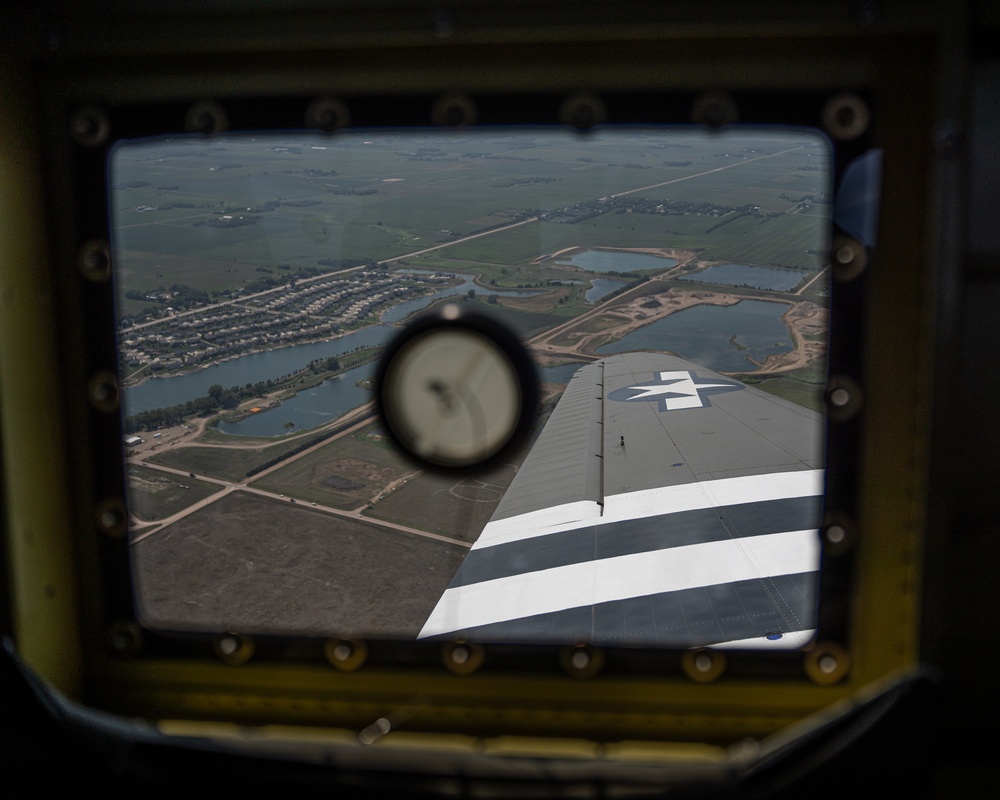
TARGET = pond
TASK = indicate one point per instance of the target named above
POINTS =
(780, 280)
(717, 337)
(617, 261)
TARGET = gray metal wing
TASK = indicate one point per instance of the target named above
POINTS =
(662, 505)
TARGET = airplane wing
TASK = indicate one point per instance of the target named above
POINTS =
(662, 505)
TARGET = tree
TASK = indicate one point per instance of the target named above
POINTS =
(215, 391)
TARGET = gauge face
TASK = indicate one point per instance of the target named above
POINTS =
(457, 390)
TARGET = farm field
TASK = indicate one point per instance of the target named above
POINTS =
(245, 245)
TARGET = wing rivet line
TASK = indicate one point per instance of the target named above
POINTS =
(702, 665)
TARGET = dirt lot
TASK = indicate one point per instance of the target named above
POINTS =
(250, 564)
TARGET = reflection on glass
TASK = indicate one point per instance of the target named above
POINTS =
(671, 285)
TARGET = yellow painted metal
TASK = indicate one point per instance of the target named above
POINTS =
(43, 580)
(885, 605)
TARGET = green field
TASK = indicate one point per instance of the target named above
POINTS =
(397, 194)
(346, 473)
(803, 386)
(227, 463)
(154, 494)
(453, 506)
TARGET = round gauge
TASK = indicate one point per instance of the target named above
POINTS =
(457, 390)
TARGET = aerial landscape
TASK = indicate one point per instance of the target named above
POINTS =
(260, 276)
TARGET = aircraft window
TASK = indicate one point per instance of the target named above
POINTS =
(671, 285)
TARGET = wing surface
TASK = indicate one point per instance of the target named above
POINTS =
(662, 505)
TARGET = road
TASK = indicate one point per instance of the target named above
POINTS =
(542, 343)
(364, 414)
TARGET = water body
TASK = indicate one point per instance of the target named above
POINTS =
(308, 408)
(601, 287)
(747, 275)
(271, 364)
(701, 334)
(617, 261)
(403, 310)
(334, 398)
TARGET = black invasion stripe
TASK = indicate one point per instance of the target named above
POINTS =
(685, 618)
(638, 536)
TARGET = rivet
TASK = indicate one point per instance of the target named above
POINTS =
(840, 397)
(463, 658)
(94, 261)
(111, 516)
(826, 663)
(582, 661)
(233, 649)
(453, 111)
(124, 637)
(583, 111)
(89, 127)
(846, 116)
(848, 258)
(346, 655)
(702, 665)
(206, 117)
(714, 109)
(327, 114)
(102, 391)
(838, 534)
(843, 398)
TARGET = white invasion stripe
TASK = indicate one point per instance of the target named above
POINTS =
(542, 522)
(622, 577)
(653, 503)
(792, 640)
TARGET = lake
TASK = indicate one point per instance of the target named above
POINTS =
(748, 275)
(601, 287)
(617, 261)
(241, 370)
(308, 408)
(334, 398)
(702, 334)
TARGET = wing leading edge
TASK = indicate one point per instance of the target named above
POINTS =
(662, 505)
